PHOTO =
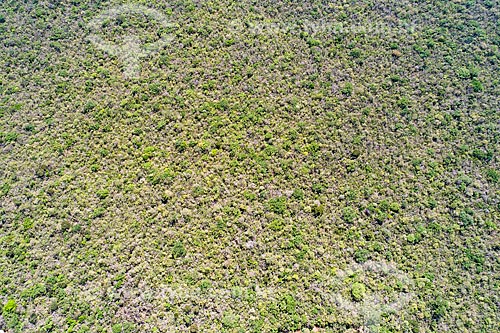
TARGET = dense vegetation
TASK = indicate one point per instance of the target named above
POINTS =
(256, 173)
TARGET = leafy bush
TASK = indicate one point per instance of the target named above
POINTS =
(358, 291)
(8, 137)
(318, 210)
(102, 194)
(439, 308)
(404, 103)
(318, 188)
(356, 53)
(347, 89)
(34, 292)
(178, 250)
(277, 205)
(482, 155)
(466, 218)
(89, 106)
(148, 153)
(493, 175)
(395, 207)
(349, 214)
(313, 42)
(477, 86)
(230, 320)
(298, 194)
(181, 145)
(361, 255)
(123, 328)
(98, 212)
(288, 304)
(277, 225)
(463, 73)
(10, 306)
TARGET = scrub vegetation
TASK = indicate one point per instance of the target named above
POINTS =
(260, 162)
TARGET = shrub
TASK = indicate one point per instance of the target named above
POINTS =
(492, 175)
(439, 307)
(4, 189)
(477, 86)
(474, 71)
(318, 188)
(277, 225)
(384, 205)
(380, 217)
(347, 89)
(361, 255)
(277, 205)
(395, 207)
(8, 137)
(230, 320)
(424, 53)
(229, 42)
(358, 291)
(482, 155)
(27, 224)
(349, 214)
(102, 194)
(249, 195)
(298, 194)
(34, 292)
(404, 103)
(10, 306)
(432, 203)
(178, 251)
(123, 328)
(89, 106)
(466, 218)
(159, 176)
(356, 53)
(313, 42)
(411, 238)
(29, 127)
(463, 73)
(318, 210)
(180, 145)
(65, 226)
(148, 153)
(98, 212)
(288, 304)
